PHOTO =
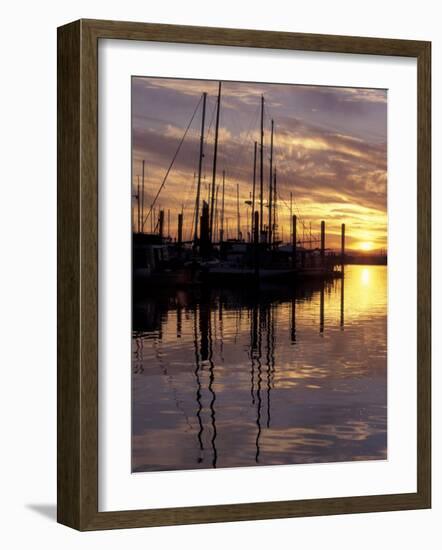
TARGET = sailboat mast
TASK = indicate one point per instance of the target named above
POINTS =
(261, 172)
(216, 222)
(221, 236)
(271, 187)
(215, 154)
(254, 186)
(291, 211)
(274, 206)
(138, 205)
(237, 210)
(200, 166)
(142, 197)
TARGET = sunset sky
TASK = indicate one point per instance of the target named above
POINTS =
(330, 151)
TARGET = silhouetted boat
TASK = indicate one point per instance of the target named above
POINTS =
(156, 262)
(263, 256)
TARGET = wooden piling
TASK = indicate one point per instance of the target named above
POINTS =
(205, 230)
(161, 224)
(180, 229)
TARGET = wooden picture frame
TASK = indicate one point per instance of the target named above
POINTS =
(78, 274)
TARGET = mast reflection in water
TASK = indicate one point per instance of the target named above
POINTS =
(227, 378)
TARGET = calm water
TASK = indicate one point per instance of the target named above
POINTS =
(224, 378)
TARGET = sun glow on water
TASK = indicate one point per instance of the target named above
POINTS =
(365, 277)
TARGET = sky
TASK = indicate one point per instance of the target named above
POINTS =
(330, 154)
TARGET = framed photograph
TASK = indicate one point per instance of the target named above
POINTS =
(243, 275)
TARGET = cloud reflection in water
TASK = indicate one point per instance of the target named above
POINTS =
(226, 379)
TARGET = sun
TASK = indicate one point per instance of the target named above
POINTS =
(366, 246)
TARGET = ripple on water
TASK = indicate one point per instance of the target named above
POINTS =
(286, 376)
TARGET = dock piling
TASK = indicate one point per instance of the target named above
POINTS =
(180, 229)
(161, 224)
(205, 230)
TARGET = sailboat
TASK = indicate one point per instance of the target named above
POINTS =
(262, 257)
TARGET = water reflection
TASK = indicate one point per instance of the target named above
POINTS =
(365, 276)
(225, 378)
(341, 319)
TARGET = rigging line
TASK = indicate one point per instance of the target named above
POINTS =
(242, 143)
(301, 219)
(252, 127)
(193, 216)
(279, 154)
(171, 164)
(269, 111)
(192, 222)
(192, 227)
(189, 201)
(247, 139)
(185, 203)
(282, 177)
(268, 114)
(211, 120)
(207, 140)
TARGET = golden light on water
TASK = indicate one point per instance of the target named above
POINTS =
(365, 276)
(261, 369)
